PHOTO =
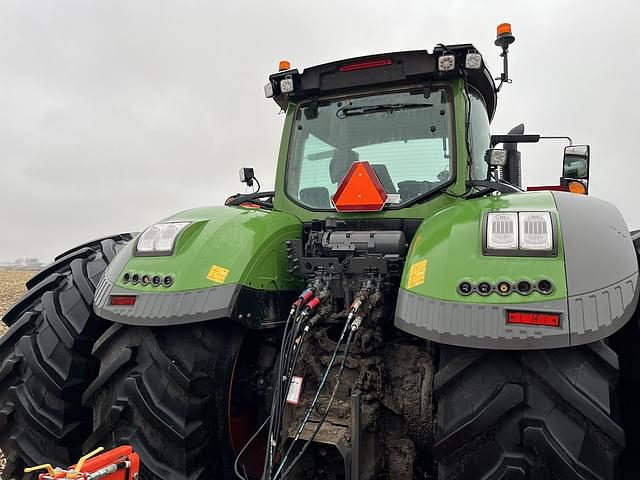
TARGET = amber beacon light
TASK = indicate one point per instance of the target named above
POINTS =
(284, 65)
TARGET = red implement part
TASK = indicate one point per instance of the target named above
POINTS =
(117, 464)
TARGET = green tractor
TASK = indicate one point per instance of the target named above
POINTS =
(398, 308)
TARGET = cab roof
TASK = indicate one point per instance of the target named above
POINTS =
(381, 70)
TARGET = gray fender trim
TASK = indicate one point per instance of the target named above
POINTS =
(478, 325)
(166, 308)
(598, 250)
(584, 319)
(598, 315)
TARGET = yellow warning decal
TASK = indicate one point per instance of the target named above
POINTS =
(417, 273)
(218, 273)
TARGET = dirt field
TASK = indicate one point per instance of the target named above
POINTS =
(11, 288)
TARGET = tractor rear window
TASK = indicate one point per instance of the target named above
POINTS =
(403, 135)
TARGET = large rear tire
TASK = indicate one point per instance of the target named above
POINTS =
(46, 363)
(535, 414)
(626, 343)
(165, 391)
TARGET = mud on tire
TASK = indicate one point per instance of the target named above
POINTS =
(536, 414)
(46, 363)
(165, 391)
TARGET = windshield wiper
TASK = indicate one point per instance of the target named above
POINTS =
(349, 111)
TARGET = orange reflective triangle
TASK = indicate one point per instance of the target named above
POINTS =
(360, 190)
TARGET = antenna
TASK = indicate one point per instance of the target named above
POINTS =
(503, 40)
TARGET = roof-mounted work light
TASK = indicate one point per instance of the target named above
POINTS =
(446, 62)
(473, 61)
(496, 157)
(286, 85)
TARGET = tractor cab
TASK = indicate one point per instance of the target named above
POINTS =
(400, 117)
(416, 125)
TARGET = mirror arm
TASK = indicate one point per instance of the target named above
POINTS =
(514, 138)
(559, 138)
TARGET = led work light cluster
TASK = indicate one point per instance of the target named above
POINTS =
(146, 279)
(519, 234)
(447, 62)
(523, 287)
(160, 239)
(287, 80)
(284, 82)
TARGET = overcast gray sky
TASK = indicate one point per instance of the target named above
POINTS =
(117, 113)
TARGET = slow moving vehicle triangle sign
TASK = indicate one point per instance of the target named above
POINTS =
(360, 191)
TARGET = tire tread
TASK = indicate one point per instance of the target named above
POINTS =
(170, 406)
(533, 414)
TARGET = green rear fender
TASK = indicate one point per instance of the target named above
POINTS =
(451, 243)
(593, 276)
(230, 262)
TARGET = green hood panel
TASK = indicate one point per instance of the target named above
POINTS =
(451, 243)
(223, 246)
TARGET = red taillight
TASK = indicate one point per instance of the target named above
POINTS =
(362, 65)
(534, 318)
(555, 188)
(123, 300)
(360, 191)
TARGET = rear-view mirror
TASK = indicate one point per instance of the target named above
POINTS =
(575, 164)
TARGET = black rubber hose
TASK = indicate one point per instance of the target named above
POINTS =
(326, 411)
(317, 395)
(269, 450)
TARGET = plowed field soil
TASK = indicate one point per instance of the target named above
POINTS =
(11, 288)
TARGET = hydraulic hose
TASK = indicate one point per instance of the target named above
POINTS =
(301, 308)
(353, 323)
(354, 326)
(293, 314)
(315, 399)
(246, 445)
(269, 449)
(288, 366)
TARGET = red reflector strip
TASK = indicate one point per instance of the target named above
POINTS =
(534, 318)
(555, 188)
(123, 300)
(362, 65)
